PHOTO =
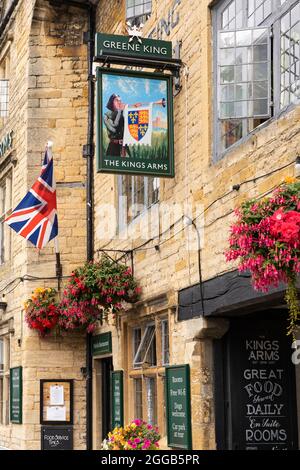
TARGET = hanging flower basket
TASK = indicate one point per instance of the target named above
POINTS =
(94, 291)
(138, 435)
(266, 241)
(41, 310)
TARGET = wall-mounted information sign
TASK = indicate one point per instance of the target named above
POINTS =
(16, 392)
(56, 401)
(57, 438)
(178, 406)
(102, 344)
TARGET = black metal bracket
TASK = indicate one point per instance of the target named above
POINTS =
(177, 51)
(88, 150)
(158, 64)
(58, 270)
(87, 37)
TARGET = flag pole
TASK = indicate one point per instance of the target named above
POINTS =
(58, 267)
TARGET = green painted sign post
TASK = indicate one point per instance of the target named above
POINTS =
(102, 344)
(107, 44)
(16, 393)
(178, 406)
(117, 398)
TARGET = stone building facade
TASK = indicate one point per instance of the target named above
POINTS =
(45, 62)
(47, 101)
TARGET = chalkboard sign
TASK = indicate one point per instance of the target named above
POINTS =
(262, 386)
(102, 344)
(117, 398)
(16, 395)
(178, 406)
(57, 438)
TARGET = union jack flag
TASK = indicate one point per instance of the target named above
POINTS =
(35, 218)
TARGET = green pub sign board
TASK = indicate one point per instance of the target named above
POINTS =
(117, 398)
(132, 47)
(102, 344)
(16, 395)
(178, 406)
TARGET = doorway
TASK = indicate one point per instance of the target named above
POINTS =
(255, 385)
(106, 369)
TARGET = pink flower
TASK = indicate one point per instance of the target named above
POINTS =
(138, 422)
(146, 444)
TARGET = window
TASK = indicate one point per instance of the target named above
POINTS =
(149, 344)
(256, 65)
(165, 342)
(146, 352)
(138, 398)
(290, 57)
(138, 11)
(136, 194)
(4, 379)
(137, 335)
(4, 88)
(3, 98)
(5, 207)
(258, 11)
(151, 400)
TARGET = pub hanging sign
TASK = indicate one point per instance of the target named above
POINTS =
(134, 110)
(132, 46)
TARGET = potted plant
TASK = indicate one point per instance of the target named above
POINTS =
(95, 290)
(42, 311)
(265, 239)
(138, 435)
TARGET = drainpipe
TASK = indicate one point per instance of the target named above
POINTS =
(8, 16)
(88, 153)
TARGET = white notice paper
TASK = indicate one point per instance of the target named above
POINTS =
(56, 395)
(56, 413)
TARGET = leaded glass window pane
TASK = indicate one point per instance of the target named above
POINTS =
(138, 9)
(151, 400)
(146, 352)
(244, 72)
(138, 398)
(4, 98)
(290, 57)
(136, 194)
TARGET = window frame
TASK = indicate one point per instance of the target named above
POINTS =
(156, 372)
(165, 321)
(138, 18)
(148, 336)
(122, 200)
(273, 23)
(4, 112)
(5, 381)
(5, 233)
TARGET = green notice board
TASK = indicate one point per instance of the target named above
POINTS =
(178, 401)
(117, 398)
(16, 395)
